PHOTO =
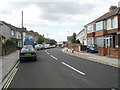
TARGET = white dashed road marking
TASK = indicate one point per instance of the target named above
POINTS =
(67, 65)
(54, 57)
(47, 53)
(73, 68)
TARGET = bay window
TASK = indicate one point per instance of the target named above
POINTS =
(99, 26)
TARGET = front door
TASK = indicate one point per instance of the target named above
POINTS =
(108, 41)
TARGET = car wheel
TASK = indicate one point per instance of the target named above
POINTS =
(87, 50)
(35, 59)
(21, 60)
(90, 51)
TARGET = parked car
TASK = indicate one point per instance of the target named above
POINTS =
(92, 48)
(38, 46)
(52, 46)
(29, 42)
(62, 46)
(46, 46)
(28, 52)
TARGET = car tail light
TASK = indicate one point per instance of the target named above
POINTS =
(33, 53)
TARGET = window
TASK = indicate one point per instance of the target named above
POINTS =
(113, 24)
(99, 41)
(90, 28)
(99, 26)
(12, 33)
(89, 41)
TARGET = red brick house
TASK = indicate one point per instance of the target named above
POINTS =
(105, 30)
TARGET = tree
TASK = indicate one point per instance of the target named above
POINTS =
(74, 38)
(52, 42)
(78, 41)
(40, 40)
(9, 42)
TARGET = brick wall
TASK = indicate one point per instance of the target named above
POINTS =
(112, 31)
(77, 47)
(100, 33)
(110, 52)
(8, 50)
(102, 51)
(113, 52)
(74, 46)
(91, 35)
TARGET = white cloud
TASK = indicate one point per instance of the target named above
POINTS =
(39, 14)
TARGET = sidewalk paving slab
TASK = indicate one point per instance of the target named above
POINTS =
(94, 57)
(8, 62)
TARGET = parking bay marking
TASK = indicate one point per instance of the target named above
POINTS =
(54, 57)
(73, 68)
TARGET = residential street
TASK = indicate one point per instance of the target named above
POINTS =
(54, 69)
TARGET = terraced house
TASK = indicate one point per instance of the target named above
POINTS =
(9, 31)
(18, 35)
(104, 30)
(81, 36)
(35, 35)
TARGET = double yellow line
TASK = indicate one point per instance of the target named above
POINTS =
(10, 79)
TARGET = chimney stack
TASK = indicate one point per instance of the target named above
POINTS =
(112, 8)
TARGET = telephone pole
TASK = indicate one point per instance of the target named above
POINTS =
(22, 19)
(22, 29)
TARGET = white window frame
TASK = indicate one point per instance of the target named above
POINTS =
(12, 33)
(113, 23)
(100, 24)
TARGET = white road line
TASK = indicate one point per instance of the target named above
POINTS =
(54, 57)
(73, 68)
(47, 53)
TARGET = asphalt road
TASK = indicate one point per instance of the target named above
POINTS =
(54, 69)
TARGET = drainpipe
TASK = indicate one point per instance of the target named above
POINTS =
(1, 52)
(1, 30)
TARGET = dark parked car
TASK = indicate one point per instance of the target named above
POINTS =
(28, 52)
(92, 48)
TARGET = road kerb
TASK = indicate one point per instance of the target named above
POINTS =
(102, 62)
(9, 74)
(10, 79)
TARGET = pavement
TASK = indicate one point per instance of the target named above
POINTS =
(94, 57)
(7, 63)
(55, 69)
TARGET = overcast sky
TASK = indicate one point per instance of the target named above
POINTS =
(55, 19)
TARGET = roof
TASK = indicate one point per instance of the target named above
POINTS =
(69, 37)
(80, 32)
(11, 26)
(107, 15)
(34, 33)
(24, 30)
